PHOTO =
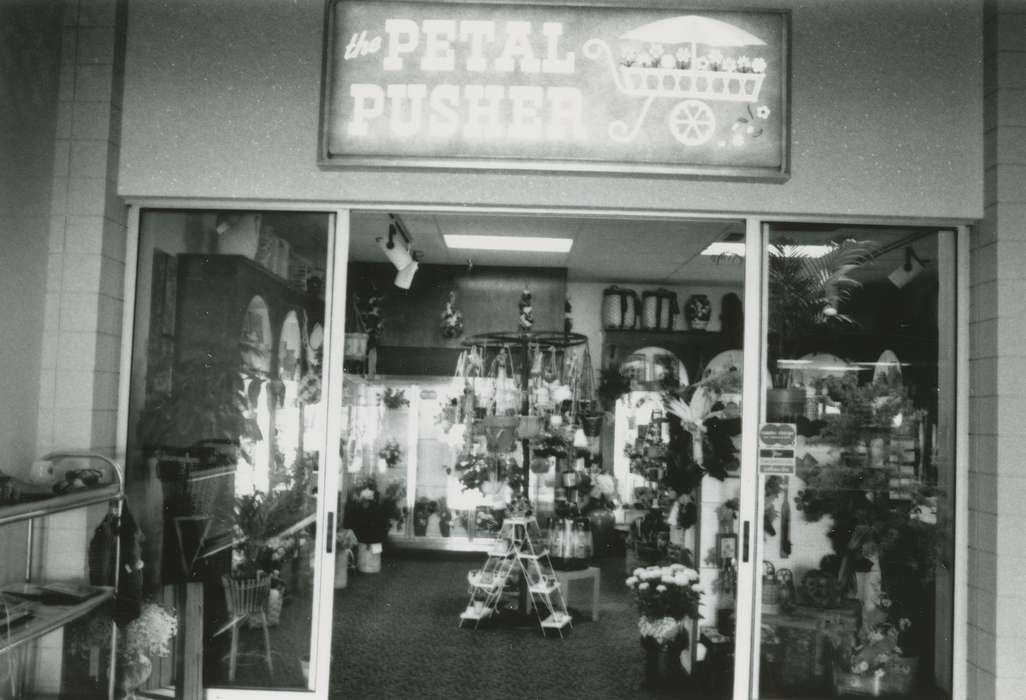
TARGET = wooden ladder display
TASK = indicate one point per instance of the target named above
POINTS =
(514, 550)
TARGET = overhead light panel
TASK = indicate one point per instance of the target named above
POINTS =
(523, 244)
(737, 248)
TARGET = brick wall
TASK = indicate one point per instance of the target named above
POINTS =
(997, 550)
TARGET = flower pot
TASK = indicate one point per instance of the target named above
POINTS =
(368, 561)
(897, 679)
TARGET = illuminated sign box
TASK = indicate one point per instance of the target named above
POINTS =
(550, 87)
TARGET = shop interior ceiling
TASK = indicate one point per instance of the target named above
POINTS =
(650, 251)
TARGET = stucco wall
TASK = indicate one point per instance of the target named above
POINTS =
(221, 100)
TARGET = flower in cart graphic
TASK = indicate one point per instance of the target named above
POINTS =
(683, 59)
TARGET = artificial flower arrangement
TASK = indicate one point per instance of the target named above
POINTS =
(665, 595)
(369, 511)
(394, 398)
(473, 469)
(656, 56)
(148, 635)
(872, 660)
(391, 453)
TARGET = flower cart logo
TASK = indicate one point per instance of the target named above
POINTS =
(664, 59)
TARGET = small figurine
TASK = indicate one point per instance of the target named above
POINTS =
(526, 311)
(452, 319)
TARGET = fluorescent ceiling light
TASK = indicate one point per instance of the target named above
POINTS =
(528, 244)
(737, 248)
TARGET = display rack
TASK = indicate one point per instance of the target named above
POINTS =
(46, 618)
(522, 342)
(514, 551)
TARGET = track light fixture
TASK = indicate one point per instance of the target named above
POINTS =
(398, 248)
(908, 271)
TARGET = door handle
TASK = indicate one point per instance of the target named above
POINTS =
(745, 541)
(329, 533)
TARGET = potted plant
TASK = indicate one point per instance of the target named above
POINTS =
(369, 514)
(667, 598)
(806, 294)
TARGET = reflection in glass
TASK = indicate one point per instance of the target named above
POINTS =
(224, 422)
(856, 586)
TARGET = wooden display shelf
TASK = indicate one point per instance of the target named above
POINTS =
(47, 618)
(57, 504)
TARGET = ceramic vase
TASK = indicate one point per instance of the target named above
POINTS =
(133, 674)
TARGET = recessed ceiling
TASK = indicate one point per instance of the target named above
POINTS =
(620, 250)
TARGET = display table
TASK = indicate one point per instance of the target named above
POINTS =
(593, 573)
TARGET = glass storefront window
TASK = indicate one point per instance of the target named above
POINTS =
(226, 423)
(857, 588)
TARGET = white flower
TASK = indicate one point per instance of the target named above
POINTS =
(715, 58)
(862, 667)
(696, 587)
(879, 673)
(701, 63)
(628, 56)
(749, 129)
(904, 623)
(637, 572)
(661, 588)
(643, 586)
(632, 581)
(759, 65)
(667, 61)
(644, 59)
(683, 57)
(762, 112)
(744, 64)
(729, 64)
(737, 140)
(656, 50)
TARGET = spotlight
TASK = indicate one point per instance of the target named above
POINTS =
(907, 272)
(398, 248)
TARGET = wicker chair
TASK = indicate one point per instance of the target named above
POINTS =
(246, 598)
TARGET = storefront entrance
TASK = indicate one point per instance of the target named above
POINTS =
(546, 456)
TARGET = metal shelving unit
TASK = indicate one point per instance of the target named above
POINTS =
(49, 617)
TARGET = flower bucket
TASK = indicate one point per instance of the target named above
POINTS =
(367, 561)
(663, 669)
(342, 559)
(355, 346)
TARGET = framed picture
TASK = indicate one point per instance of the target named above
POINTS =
(726, 548)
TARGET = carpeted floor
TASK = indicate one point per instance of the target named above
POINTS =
(396, 635)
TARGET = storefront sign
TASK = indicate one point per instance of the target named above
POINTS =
(543, 87)
(777, 444)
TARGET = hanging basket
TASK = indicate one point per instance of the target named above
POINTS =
(592, 424)
(529, 427)
(501, 432)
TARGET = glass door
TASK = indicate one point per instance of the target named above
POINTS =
(856, 466)
(226, 439)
